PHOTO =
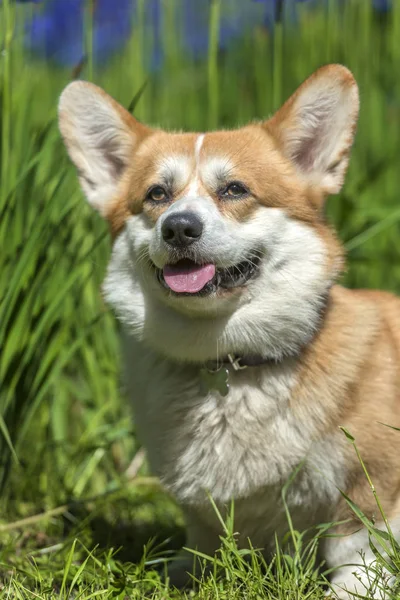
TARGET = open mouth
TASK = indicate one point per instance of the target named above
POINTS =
(188, 278)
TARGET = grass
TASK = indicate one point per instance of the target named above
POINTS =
(67, 438)
(85, 565)
(73, 552)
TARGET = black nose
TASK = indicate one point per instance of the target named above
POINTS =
(181, 229)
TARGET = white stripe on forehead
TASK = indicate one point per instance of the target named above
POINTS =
(197, 148)
(177, 169)
(193, 190)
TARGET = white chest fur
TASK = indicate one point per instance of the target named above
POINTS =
(242, 447)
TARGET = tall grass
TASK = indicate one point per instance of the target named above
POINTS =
(59, 395)
(65, 427)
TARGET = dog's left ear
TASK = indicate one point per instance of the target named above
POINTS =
(315, 127)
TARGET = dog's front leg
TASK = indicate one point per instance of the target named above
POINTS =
(200, 536)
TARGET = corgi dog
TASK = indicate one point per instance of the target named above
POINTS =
(244, 357)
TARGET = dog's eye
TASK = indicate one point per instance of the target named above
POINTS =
(235, 190)
(157, 194)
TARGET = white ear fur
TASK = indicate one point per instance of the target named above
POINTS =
(315, 127)
(100, 136)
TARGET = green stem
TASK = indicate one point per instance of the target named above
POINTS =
(213, 96)
(371, 485)
(139, 54)
(6, 108)
(278, 63)
(88, 34)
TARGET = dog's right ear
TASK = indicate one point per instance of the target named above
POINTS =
(100, 136)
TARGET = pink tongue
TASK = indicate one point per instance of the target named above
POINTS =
(189, 279)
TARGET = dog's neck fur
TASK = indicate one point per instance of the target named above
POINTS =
(258, 359)
(332, 338)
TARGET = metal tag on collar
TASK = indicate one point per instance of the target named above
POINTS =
(235, 362)
(214, 380)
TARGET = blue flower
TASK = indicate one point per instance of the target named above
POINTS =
(237, 16)
(57, 32)
(382, 5)
(195, 25)
(276, 10)
(275, 3)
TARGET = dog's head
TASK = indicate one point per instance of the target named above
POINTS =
(219, 238)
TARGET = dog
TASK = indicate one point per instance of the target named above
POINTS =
(244, 356)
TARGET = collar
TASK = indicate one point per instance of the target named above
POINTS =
(215, 374)
(239, 362)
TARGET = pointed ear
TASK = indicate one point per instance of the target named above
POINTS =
(315, 127)
(100, 136)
